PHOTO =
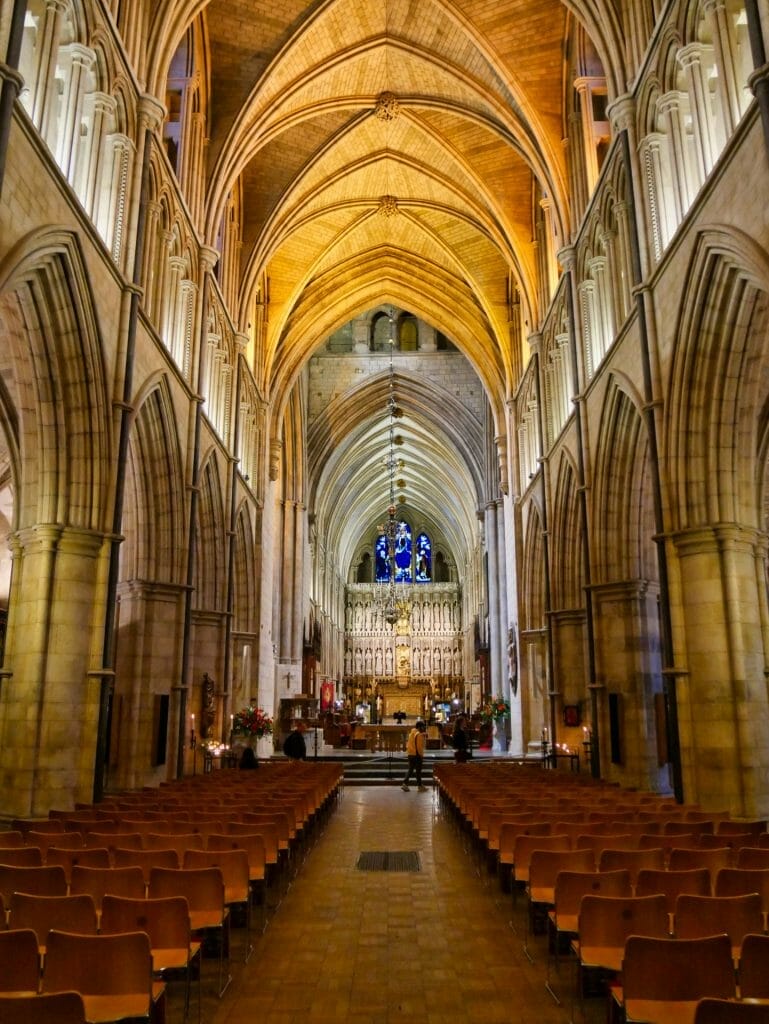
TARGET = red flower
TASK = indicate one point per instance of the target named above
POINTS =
(253, 722)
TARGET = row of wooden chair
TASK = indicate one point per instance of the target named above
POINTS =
(113, 974)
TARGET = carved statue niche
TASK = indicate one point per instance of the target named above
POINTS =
(208, 715)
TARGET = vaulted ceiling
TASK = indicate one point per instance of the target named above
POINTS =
(388, 151)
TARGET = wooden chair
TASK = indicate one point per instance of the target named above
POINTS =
(53, 1008)
(688, 860)
(113, 973)
(599, 843)
(167, 922)
(688, 827)
(45, 913)
(111, 840)
(754, 968)
(740, 881)
(673, 884)
(19, 962)
(25, 825)
(100, 882)
(754, 827)
(234, 866)
(22, 856)
(508, 834)
(524, 848)
(753, 857)
(738, 916)
(730, 1011)
(145, 859)
(97, 857)
(9, 839)
(180, 842)
(203, 888)
(632, 861)
(253, 844)
(568, 892)
(63, 840)
(664, 979)
(43, 881)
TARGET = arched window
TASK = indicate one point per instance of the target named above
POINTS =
(403, 553)
(381, 560)
(424, 559)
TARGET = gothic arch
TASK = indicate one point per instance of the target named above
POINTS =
(58, 369)
(153, 518)
(719, 383)
(622, 513)
(210, 574)
(566, 562)
(245, 609)
(532, 576)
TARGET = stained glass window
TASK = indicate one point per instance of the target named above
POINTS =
(403, 553)
(382, 562)
(424, 559)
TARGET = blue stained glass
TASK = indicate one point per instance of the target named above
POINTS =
(424, 560)
(382, 574)
(403, 553)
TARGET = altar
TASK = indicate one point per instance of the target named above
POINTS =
(388, 737)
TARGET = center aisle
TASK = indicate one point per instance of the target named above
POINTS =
(375, 947)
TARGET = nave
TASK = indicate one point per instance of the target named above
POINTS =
(369, 947)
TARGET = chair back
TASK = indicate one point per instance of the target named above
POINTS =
(44, 913)
(632, 861)
(690, 827)
(730, 1011)
(738, 916)
(754, 967)
(609, 920)
(671, 970)
(44, 881)
(252, 843)
(126, 840)
(96, 857)
(63, 840)
(203, 888)
(178, 841)
(755, 827)
(673, 884)
(546, 865)
(753, 857)
(51, 1008)
(99, 882)
(233, 865)
(19, 962)
(145, 859)
(25, 825)
(525, 847)
(22, 856)
(98, 966)
(741, 881)
(9, 839)
(572, 886)
(165, 920)
(688, 860)
(599, 843)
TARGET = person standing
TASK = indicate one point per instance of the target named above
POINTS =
(415, 749)
(459, 740)
(294, 745)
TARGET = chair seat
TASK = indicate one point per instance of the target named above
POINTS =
(209, 918)
(609, 957)
(542, 894)
(100, 1009)
(167, 959)
(661, 1011)
(565, 922)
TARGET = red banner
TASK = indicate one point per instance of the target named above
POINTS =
(327, 695)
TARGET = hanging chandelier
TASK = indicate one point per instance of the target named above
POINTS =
(393, 599)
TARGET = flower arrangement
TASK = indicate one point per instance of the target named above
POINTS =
(494, 709)
(252, 722)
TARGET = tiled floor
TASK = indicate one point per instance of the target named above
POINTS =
(354, 947)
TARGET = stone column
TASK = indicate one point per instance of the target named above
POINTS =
(49, 706)
(723, 701)
(495, 675)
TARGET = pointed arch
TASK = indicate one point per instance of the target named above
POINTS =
(153, 517)
(210, 575)
(622, 511)
(58, 370)
(719, 382)
(567, 573)
(246, 573)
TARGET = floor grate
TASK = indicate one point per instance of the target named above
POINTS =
(389, 860)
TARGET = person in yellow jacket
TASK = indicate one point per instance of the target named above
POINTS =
(415, 749)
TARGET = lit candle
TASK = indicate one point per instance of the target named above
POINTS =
(193, 721)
